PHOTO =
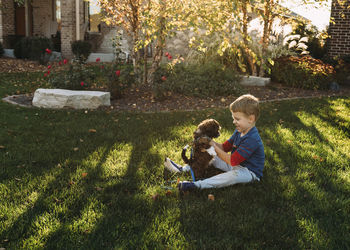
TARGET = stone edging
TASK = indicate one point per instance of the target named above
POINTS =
(8, 100)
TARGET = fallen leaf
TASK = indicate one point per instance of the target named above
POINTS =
(211, 197)
(91, 130)
(2, 147)
(75, 149)
(155, 197)
(84, 175)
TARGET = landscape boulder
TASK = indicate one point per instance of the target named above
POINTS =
(77, 99)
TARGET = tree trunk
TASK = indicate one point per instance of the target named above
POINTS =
(159, 47)
(145, 66)
(265, 38)
(248, 52)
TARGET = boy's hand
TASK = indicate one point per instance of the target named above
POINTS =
(212, 143)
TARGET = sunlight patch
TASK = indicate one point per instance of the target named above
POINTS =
(41, 228)
(89, 218)
(311, 233)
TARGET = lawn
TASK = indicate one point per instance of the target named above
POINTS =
(85, 179)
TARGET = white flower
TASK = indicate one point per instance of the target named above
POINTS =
(302, 46)
(304, 39)
(292, 44)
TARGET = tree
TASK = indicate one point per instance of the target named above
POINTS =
(150, 21)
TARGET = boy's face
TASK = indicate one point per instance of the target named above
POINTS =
(243, 122)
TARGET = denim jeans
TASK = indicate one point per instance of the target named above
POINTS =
(232, 175)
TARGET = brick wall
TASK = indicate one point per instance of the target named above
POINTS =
(68, 20)
(7, 21)
(44, 23)
(339, 43)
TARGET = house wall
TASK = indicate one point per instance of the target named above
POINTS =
(44, 21)
(339, 43)
(68, 29)
(7, 21)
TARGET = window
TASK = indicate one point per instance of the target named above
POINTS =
(94, 16)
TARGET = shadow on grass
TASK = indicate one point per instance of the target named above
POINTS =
(126, 210)
(299, 203)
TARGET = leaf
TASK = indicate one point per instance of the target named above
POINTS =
(2, 147)
(84, 174)
(92, 130)
(211, 197)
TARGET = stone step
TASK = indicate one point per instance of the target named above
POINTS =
(254, 81)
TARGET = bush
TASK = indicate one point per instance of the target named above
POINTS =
(77, 75)
(302, 72)
(201, 80)
(1, 50)
(33, 48)
(342, 68)
(116, 78)
(81, 50)
(73, 76)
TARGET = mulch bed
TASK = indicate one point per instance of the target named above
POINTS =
(141, 99)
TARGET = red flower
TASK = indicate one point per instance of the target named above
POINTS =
(166, 54)
(98, 59)
(48, 51)
(45, 75)
(170, 57)
(117, 72)
(65, 61)
(82, 83)
(49, 67)
(48, 72)
(60, 63)
(163, 78)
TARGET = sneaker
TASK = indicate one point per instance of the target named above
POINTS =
(185, 185)
(172, 166)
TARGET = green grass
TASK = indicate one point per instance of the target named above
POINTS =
(99, 195)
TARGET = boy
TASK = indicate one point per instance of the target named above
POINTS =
(246, 162)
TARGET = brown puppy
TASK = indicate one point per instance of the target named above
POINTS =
(200, 158)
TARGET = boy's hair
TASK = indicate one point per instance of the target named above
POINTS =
(247, 104)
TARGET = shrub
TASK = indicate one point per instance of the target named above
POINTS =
(302, 72)
(342, 68)
(81, 50)
(201, 80)
(74, 76)
(116, 78)
(77, 75)
(33, 48)
(1, 50)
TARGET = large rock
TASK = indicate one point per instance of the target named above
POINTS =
(62, 98)
(255, 81)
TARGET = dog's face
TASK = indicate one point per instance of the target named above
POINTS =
(202, 143)
(208, 127)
